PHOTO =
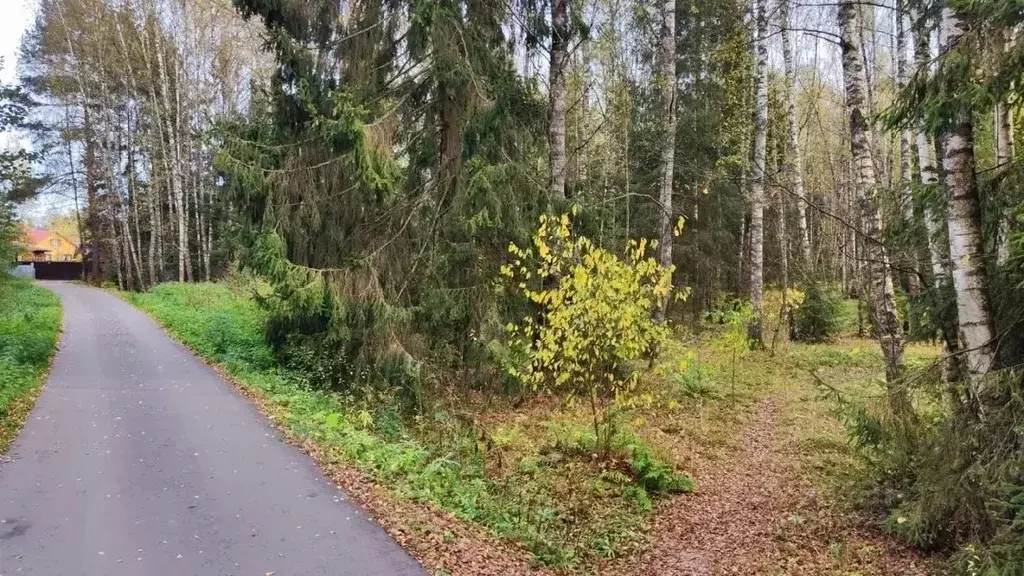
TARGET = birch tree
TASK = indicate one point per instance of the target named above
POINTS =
(1003, 119)
(966, 248)
(795, 161)
(757, 172)
(883, 301)
(666, 81)
(906, 172)
(927, 163)
(556, 87)
(929, 176)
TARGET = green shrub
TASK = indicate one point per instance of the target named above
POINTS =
(694, 379)
(595, 316)
(654, 475)
(950, 480)
(818, 318)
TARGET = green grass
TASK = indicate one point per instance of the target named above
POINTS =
(531, 479)
(528, 472)
(30, 319)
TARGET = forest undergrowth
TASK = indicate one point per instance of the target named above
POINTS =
(720, 461)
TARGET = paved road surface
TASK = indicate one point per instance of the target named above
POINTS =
(139, 460)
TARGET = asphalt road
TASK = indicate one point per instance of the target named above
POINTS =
(138, 459)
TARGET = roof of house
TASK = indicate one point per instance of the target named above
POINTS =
(36, 236)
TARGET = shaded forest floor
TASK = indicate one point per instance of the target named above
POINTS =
(480, 481)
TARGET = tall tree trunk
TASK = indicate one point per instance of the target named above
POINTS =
(130, 135)
(174, 164)
(209, 241)
(583, 126)
(74, 184)
(783, 233)
(927, 163)
(758, 173)
(115, 250)
(198, 197)
(160, 148)
(154, 228)
(966, 250)
(929, 174)
(91, 198)
(1004, 134)
(556, 87)
(180, 154)
(743, 262)
(451, 145)
(933, 222)
(666, 81)
(1004, 156)
(92, 210)
(795, 160)
(883, 300)
(135, 261)
(906, 172)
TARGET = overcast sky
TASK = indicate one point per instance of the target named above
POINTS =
(15, 16)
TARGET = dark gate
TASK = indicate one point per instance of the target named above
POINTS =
(58, 270)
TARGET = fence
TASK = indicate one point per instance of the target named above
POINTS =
(56, 270)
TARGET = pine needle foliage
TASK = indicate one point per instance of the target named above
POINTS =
(378, 199)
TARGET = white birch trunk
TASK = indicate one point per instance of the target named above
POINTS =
(174, 176)
(1004, 134)
(156, 199)
(133, 198)
(1004, 156)
(154, 230)
(883, 301)
(780, 199)
(930, 177)
(966, 252)
(666, 81)
(967, 255)
(180, 155)
(209, 243)
(795, 160)
(758, 172)
(556, 88)
(927, 163)
(906, 172)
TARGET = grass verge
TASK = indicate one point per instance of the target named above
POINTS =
(526, 472)
(530, 475)
(30, 319)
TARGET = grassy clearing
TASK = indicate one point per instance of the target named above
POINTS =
(527, 470)
(852, 369)
(30, 320)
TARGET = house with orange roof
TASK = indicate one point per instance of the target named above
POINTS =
(39, 245)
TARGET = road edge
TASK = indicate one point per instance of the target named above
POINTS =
(434, 538)
(20, 407)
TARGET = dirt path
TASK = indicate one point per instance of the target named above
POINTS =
(755, 514)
